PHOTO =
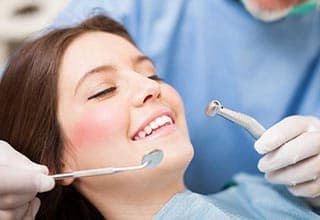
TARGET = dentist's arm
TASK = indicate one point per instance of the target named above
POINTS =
(292, 149)
(20, 181)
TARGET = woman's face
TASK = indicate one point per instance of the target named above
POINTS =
(112, 111)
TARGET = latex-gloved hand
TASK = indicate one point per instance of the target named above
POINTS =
(292, 149)
(21, 180)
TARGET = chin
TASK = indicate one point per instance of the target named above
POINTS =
(177, 157)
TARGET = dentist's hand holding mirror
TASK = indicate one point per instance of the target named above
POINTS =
(20, 181)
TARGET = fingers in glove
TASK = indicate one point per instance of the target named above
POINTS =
(17, 213)
(24, 181)
(32, 210)
(303, 146)
(12, 158)
(304, 171)
(13, 201)
(281, 133)
(309, 189)
(21, 186)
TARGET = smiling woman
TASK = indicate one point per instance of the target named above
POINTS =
(86, 97)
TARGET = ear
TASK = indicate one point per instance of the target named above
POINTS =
(68, 166)
(66, 169)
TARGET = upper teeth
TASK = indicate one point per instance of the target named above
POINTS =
(156, 123)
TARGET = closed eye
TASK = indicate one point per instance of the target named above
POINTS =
(103, 92)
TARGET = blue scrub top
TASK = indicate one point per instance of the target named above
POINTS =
(214, 49)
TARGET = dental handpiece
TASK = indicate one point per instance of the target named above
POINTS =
(149, 161)
(245, 121)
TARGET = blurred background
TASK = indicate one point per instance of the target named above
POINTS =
(20, 19)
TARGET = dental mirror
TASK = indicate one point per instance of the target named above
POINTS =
(153, 158)
(150, 160)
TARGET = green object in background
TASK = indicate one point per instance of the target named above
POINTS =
(229, 185)
(305, 7)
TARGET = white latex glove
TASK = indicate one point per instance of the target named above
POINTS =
(20, 181)
(293, 155)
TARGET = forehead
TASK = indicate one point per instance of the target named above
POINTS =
(97, 48)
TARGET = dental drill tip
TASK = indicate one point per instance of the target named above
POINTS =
(213, 107)
(153, 158)
(245, 121)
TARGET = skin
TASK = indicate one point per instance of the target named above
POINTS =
(99, 131)
(270, 10)
(277, 4)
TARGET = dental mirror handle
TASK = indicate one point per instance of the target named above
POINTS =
(245, 121)
(149, 161)
(96, 172)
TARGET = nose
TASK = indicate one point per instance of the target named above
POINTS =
(147, 90)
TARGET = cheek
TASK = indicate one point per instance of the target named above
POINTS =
(94, 127)
(173, 98)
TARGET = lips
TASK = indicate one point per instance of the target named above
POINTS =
(152, 125)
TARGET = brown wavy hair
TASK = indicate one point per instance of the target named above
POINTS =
(28, 111)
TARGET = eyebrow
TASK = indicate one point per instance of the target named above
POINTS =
(140, 59)
(107, 68)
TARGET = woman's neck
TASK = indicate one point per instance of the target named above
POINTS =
(134, 203)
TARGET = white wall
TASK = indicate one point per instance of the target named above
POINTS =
(20, 18)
